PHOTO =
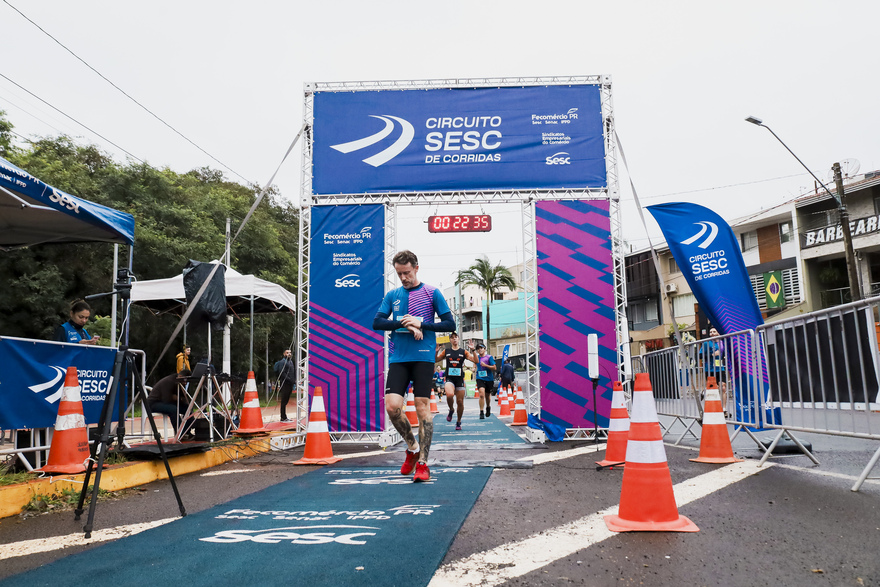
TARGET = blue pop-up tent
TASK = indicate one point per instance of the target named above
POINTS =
(33, 212)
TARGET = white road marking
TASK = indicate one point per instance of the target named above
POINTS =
(563, 454)
(28, 547)
(814, 471)
(229, 472)
(516, 559)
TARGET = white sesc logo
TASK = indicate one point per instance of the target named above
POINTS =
(407, 132)
(41, 387)
(704, 226)
(340, 534)
(350, 280)
(561, 158)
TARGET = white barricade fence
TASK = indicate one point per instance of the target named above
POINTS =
(823, 373)
(816, 373)
(679, 375)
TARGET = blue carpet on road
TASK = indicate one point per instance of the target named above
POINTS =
(475, 433)
(333, 526)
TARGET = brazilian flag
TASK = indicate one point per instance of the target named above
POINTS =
(773, 289)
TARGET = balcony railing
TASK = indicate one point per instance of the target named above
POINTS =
(834, 297)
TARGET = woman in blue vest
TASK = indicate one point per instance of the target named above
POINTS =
(73, 330)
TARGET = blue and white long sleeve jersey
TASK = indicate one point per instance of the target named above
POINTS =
(423, 301)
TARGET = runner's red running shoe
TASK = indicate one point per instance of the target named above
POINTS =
(411, 459)
(422, 473)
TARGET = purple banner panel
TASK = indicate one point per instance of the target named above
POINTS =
(346, 356)
(575, 299)
(347, 361)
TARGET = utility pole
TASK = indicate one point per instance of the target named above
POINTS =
(851, 270)
(840, 198)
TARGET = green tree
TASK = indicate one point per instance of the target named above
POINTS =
(490, 278)
(178, 216)
(6, 146)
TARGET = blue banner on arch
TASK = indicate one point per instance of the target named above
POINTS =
(445, 139)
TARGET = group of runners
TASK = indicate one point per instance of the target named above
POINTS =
(408, 314)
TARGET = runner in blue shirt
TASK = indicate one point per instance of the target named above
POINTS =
(408, 312)
(485, 379)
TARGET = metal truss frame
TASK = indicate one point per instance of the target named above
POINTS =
(526, 198)
(532, 392)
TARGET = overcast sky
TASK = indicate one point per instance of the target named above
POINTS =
(229, 76)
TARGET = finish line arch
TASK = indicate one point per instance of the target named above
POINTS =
(375, 146)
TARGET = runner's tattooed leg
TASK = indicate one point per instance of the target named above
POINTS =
(426, 431)
(402, 425)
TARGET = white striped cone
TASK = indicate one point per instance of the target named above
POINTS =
(434, 408)
(251, 421)
(715, 444)
(646, 498)
(318, 449)
(504, 410)
(520, 415)
(69, 451)
(618, 429)
(411, 414)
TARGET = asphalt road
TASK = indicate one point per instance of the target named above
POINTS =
(789, 523)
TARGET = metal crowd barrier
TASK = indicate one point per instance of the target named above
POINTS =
(817, 373)
(824, 373)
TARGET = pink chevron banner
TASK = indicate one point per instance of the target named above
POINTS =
(575, 299)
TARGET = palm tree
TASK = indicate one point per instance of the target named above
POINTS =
(490, 279)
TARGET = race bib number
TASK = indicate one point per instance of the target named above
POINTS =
(455, 371)
(717, 362)
(482, 373)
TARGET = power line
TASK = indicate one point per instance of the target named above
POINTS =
(96, 133)
(720, 187)
(124, 93)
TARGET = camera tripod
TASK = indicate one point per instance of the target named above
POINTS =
(124, 367)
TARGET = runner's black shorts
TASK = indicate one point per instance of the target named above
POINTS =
(419, 373)
(458, 382)
(489, 386)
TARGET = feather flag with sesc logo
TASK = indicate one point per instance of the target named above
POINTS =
(707, 252)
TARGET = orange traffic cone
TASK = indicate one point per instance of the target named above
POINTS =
(520, 415)
(69, 451)
(646, 498)
(505, 403)
(434, 408)
(251, 421)
(714, 443)
(318, 450)
(411, 409)
(618, 429)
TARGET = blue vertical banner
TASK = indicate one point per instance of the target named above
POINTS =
(346, 356)
(707, 252)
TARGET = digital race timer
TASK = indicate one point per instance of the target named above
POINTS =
(474, 223)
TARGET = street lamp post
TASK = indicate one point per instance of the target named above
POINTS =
(840, 198)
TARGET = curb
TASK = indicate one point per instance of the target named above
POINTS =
(14, 498)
